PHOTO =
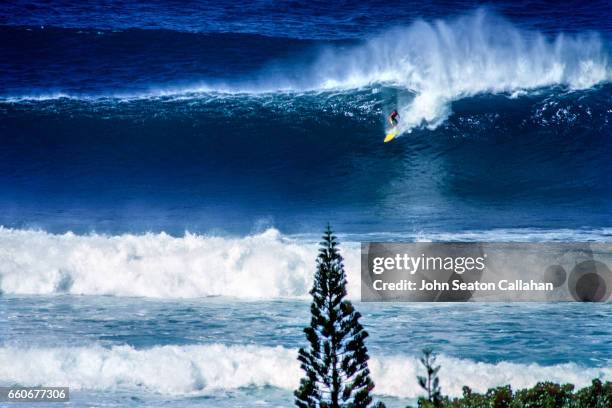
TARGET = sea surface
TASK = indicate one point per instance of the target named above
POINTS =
(166, 170)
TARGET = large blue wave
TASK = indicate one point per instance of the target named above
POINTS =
(164, 130)
(438, 62)
(297, 161)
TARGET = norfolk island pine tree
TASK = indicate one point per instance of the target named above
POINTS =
(336, 361)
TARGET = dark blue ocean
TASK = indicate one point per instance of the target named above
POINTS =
(166, 168)
(195, 116)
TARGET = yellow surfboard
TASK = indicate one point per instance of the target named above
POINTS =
(392, 133)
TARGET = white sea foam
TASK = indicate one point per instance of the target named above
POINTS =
(439, 61)
(443, 61)
(267, 265)
(204, 369)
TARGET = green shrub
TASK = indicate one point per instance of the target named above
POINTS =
(542, 395)
(598, 395)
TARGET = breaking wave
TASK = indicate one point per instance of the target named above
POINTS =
(444, 61)
(267, 265)
(433, 62)
(202, 369)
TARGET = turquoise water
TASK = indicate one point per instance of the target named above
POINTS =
(226, 352)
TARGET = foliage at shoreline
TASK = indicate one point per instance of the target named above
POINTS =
(542, 395)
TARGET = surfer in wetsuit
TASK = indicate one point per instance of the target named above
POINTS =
(393, 118)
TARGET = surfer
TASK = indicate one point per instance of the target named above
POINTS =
(393, 118)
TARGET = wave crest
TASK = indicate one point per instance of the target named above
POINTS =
(443, 61)
(266, 265)
(203, 369)
(437, 62)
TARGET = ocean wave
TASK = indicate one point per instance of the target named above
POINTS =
(434, 62)
(267, 265)
(443, 61)
(205, 369)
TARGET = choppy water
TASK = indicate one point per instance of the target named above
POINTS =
(228, 352)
